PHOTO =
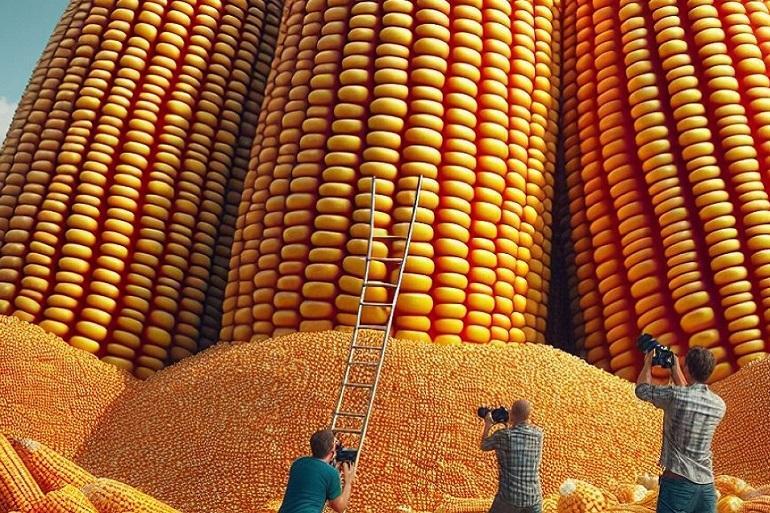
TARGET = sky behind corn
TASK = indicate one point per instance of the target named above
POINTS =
(25, 26)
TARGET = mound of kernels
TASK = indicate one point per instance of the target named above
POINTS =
(242, 403)
(224, 423)
(52, 392)
(740, 443)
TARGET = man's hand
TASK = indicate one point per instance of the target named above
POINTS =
(488, 423)
(348, 471)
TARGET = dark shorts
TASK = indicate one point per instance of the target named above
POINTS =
(500, 506)
(684, 496)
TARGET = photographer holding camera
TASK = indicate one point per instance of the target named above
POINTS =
(691, 415)
(518, 447)
(313, 480)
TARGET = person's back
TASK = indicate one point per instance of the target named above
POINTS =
(313, 480)
(311, 483)
(519, 450)
(691, 417)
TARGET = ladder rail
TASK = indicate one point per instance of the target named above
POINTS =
(351, 351)
(386, 335)
(381, 349)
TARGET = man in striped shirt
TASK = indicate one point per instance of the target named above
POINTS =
(691, 415)
(519, 448)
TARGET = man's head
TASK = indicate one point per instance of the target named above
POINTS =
(322, 443)
(698, 364)
(520, 411)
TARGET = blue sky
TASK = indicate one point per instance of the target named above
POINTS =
(25, 26)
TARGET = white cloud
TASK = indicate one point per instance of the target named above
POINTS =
(7, 109)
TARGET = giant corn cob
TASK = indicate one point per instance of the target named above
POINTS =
(123, 170)
(665, 130)
(462, 93)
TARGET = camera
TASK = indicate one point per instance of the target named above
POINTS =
(662, 357)
(499, 415)
(343, 454)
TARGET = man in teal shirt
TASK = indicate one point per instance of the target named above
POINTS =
(313, 480)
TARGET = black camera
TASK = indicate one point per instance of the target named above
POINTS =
(662, 356)
(499, 415)
(343, 454)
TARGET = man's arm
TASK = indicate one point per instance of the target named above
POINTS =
(677, 374)
(657, 395)
(645, 376)
(487, 442)
(340, 503)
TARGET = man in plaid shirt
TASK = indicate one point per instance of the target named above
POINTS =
(518, 448)
(691, 415)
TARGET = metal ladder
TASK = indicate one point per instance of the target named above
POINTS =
(364, 363)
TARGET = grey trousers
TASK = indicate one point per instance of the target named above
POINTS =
(500, 506)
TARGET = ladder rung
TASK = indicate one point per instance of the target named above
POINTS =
(379, 284)
(375, 303)
(392, 237)
(369, 348)
(348, 414)
(379, 327)
(368, 364)
(387, 259)
(358, 385)
(349, 431)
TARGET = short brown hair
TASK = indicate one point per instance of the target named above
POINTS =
(322, 443)
(700, 362)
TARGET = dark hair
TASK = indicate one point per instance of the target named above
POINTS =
(700, 362)
(322, 443)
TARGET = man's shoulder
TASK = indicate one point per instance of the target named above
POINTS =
(647, 391)
(310, 465)
(308, 462)
(702, 396)
(527, 428)
(718, 402)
